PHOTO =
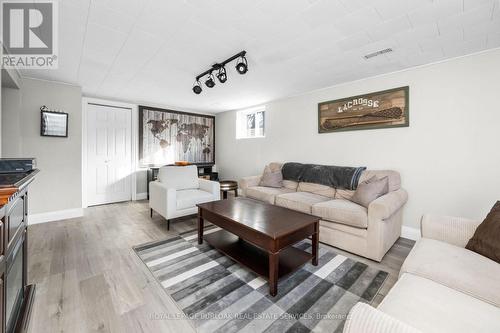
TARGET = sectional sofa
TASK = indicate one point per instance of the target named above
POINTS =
(442, 287)
(369, 232)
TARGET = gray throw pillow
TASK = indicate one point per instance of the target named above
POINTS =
(370, 190)
(271, 179)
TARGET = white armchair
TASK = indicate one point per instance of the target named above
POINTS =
(178, 190)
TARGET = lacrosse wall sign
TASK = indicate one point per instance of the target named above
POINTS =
(382, 109)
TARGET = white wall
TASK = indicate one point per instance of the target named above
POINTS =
(448, 158)
(58, 185)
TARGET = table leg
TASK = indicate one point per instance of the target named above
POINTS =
(224, 194)
(315, 244)
(200, 227)
(273, 273)
(236, 193)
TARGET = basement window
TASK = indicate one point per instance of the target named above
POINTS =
(250, 123)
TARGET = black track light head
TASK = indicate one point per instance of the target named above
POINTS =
(222, 75)
(210, 81)
(197, 88)
(242, 65)
(219, 70)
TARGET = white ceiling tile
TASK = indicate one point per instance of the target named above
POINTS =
(164, 18)
(421, 58)
(412, 37)
(71, 40)
(91, 74)
(105, 16)
(139, 48)
(277, 9)
(150, 51)
(389, 28)
(493, 40)
(103, 39)
(127, 7)
(452, 37)
(496, 10)
(476, 15)
(77, 4)
(360, 20)
(354, 41)
(470, 4)
(101, 47)
(390, 9)
(438, 10)
(323, 13)
(471, 46)
(471, 31)
(355, 5)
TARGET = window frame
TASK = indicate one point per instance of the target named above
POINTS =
(241, 116)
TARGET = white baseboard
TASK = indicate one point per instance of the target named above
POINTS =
(55, 216)
(410, 233)
(141, 196)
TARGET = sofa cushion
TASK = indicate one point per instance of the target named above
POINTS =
(486, 238)
(393, 177)
(455, 267)
(189, 198)
(290, 184)
(342, 211)
(344, 194)
(179, 177)
(267, 194)
(300, 201)
(271, 178)
(323, 190)
(275, 166)
(432, 307)
(370, 190)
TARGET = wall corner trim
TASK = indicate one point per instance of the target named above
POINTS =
(55, 216)
(410, 233)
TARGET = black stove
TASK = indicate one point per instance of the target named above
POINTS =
(14, 179)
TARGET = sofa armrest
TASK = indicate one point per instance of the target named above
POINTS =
(453, 230)
(162, 200)
(384, 207)
(247, 182)
(366, 319)
(211, 187)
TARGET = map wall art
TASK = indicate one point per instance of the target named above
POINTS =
(382, 109)
(167, 136)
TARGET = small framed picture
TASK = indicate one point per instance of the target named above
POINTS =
(54, 124)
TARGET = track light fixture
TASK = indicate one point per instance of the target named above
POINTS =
(210, 81)
(197, 87)
(220, 70)
(222, 75)
(242, 65)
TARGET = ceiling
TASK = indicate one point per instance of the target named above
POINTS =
(149, 51)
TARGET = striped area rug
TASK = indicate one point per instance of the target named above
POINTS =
(219, 295)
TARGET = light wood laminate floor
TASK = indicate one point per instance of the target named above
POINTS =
(90, 280)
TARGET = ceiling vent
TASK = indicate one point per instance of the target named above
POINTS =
(375, 54)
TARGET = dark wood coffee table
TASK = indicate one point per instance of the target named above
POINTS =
(260, 236)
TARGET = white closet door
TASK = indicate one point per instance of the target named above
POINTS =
(109, 154)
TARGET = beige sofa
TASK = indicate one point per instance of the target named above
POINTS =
(442, 287)
(344, 224)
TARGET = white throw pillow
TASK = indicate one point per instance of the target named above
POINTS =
(179, 177)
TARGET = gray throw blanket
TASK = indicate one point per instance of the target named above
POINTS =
(335, 176)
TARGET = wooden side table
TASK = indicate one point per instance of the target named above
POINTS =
(228, 185)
